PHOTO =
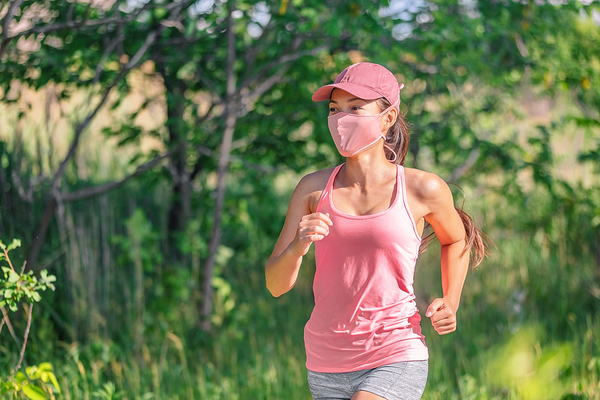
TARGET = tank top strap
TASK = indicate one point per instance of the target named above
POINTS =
(328, 188)
(402, 188)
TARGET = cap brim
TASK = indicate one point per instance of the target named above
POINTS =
(324, 92)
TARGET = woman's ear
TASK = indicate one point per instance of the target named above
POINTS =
(389, 119)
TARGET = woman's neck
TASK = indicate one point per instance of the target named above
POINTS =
(367, 168)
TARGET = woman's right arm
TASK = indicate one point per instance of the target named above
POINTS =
(300, 229)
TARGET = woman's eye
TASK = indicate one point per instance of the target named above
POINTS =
(331, 109)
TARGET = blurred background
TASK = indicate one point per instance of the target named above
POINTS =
(148, 150)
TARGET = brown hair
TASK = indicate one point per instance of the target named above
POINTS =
(397, 138)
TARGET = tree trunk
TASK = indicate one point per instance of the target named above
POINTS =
(37, 240)
(179, 213)
(230, 121)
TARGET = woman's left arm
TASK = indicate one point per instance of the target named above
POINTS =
(449, 229)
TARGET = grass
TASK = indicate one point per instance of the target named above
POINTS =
(505, 347)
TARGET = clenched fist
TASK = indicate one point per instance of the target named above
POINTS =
(442, 315)
(312, 227)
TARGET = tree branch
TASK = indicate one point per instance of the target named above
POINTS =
(246, 83)
(281, 60)
(79, 130)
(9, 325)
(24, 339)
(112, 45)
(588, 111)
(250, 98)
(5, 23)
(26, 195)
(471, 159)
(233, 159)
(101, 189)
(465, 166)
(84, 23)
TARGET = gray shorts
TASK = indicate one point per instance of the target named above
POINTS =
(398, 381)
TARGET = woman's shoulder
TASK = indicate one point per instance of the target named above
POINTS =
(311, 186)
(315, 181)
(425, 186)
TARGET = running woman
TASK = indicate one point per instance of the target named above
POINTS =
(366, 217)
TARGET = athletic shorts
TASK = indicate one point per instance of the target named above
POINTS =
(398, 381)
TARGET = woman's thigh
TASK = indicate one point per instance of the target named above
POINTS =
(398, 381)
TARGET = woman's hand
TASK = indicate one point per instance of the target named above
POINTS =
(312, 228)
(302, 226)
(443, 316)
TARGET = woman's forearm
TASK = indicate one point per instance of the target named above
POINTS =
(282, 271)
(454, 271)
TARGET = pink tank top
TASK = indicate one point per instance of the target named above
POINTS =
(365, 314)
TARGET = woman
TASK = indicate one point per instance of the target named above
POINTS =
(366, 216)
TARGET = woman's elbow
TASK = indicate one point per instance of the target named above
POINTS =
(276, 290)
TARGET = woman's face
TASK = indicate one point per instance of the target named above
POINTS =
(342, 101)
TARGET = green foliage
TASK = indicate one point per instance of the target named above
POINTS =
(140, 244)
(108, 392)
(523, 367)
(37, 383)
(14, 244)
(15, 286)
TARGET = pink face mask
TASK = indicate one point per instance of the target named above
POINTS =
(353, 133)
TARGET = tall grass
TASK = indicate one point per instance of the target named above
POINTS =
(508, 345)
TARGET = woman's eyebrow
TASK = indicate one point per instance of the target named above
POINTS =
(352, 99)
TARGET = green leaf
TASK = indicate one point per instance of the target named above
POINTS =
(15, 243)
(47, 279)
(32, 372)
(45, 366)
(20, 377)
(33, 392)
(54, 381)
(13, 277)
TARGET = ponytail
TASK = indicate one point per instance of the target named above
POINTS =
(397, 139)
(477, 243)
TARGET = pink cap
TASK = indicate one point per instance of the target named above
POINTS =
(365, 80)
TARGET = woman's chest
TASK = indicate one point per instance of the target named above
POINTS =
(363, 201)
